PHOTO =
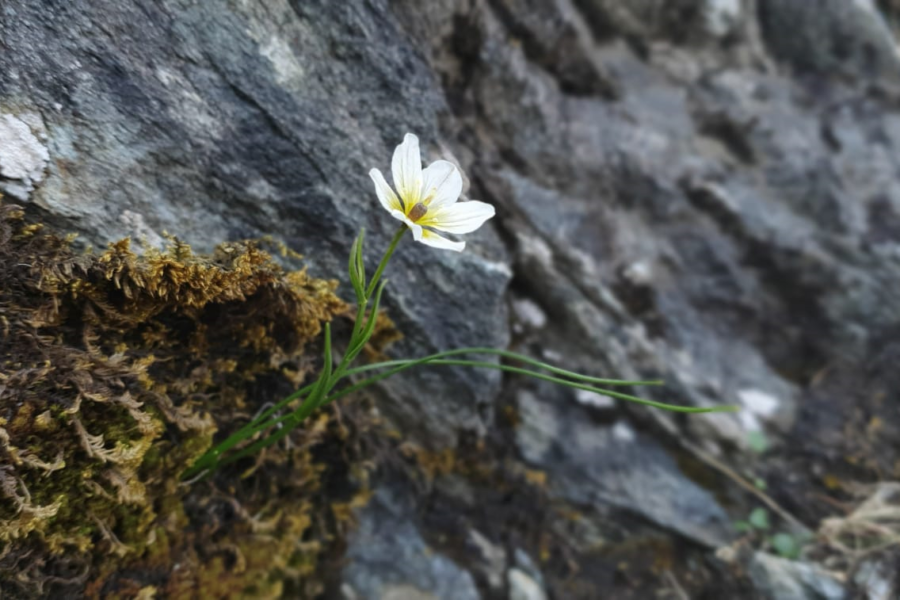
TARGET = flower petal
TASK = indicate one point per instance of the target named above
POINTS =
(416, 229)
(441, 184)
(462, 217)
(406, 167)
(385, 194)
(430, 238)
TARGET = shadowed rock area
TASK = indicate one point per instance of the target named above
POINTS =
(703, 191)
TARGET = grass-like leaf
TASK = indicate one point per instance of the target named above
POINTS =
(320, 392)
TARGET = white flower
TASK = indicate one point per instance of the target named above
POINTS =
(426, 199)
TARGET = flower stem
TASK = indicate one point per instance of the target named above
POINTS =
(384, 261)
(432, 360)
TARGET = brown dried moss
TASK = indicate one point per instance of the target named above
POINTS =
(116, 370)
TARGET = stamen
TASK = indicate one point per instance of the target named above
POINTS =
(417, 212)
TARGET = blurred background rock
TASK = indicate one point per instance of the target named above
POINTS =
(706, 191)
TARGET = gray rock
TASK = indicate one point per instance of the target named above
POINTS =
(387, 559)
(782, 579)
(23, 157)
(529, 314)
(523, 587)
(665, 208)
(525, 564)
(826, 36)
(722, 16)
(877, 576)
(647, 19)
(600, 467)
(492, 560)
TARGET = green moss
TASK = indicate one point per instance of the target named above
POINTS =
(118, 370)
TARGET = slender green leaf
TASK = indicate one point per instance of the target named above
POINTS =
(258, 425)
(291, 421)
(449, 362)
(369, 328)
(260, 444)
(319, 392)
(353, 269)
(512, 356)
(326, 367)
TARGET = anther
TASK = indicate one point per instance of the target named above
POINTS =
(417, 212)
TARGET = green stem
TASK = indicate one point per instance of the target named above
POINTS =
(384, 260)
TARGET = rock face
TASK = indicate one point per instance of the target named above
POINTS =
(391, 560)
(704, 191)
(782, 579)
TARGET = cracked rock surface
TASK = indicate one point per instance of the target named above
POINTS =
(702, 191)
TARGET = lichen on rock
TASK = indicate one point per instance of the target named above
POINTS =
(23, 158)
(116, 371)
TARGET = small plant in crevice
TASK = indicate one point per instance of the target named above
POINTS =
(758, 442)
(784, 544)
(424, 201)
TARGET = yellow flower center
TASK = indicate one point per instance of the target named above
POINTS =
(417, 212)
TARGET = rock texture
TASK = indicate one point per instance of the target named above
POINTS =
(706, 191)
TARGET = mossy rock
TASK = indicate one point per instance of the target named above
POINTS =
(116, 372)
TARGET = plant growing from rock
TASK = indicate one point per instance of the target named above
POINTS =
(424, 201)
